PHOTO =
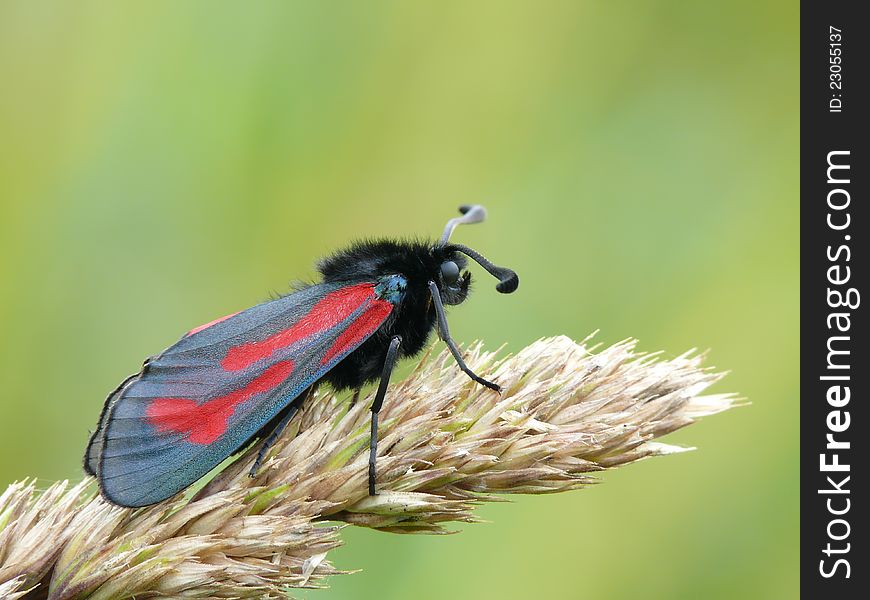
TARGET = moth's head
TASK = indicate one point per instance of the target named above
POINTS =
(450, 275)
(452, 280)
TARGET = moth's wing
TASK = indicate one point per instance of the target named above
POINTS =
(207, 395)
(95, 444)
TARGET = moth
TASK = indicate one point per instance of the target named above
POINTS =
(241, 378)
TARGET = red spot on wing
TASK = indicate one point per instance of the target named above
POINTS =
(361, 328)
(204, 423)
(210, 323)
(329, 311)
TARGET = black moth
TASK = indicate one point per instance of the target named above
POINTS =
(243, 377)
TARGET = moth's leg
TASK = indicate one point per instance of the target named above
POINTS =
(444, 334)
(276, 432)
(389, 363)
(355, 397)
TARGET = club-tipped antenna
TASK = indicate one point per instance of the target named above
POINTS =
(471, 213)
(508, 280)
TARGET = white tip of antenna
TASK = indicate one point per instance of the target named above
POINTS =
(471, 213)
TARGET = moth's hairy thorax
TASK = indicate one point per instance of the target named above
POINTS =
(412, 317)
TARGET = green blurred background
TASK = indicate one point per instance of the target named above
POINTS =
(165, 163)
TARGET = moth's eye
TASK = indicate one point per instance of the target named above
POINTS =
(449, 272)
